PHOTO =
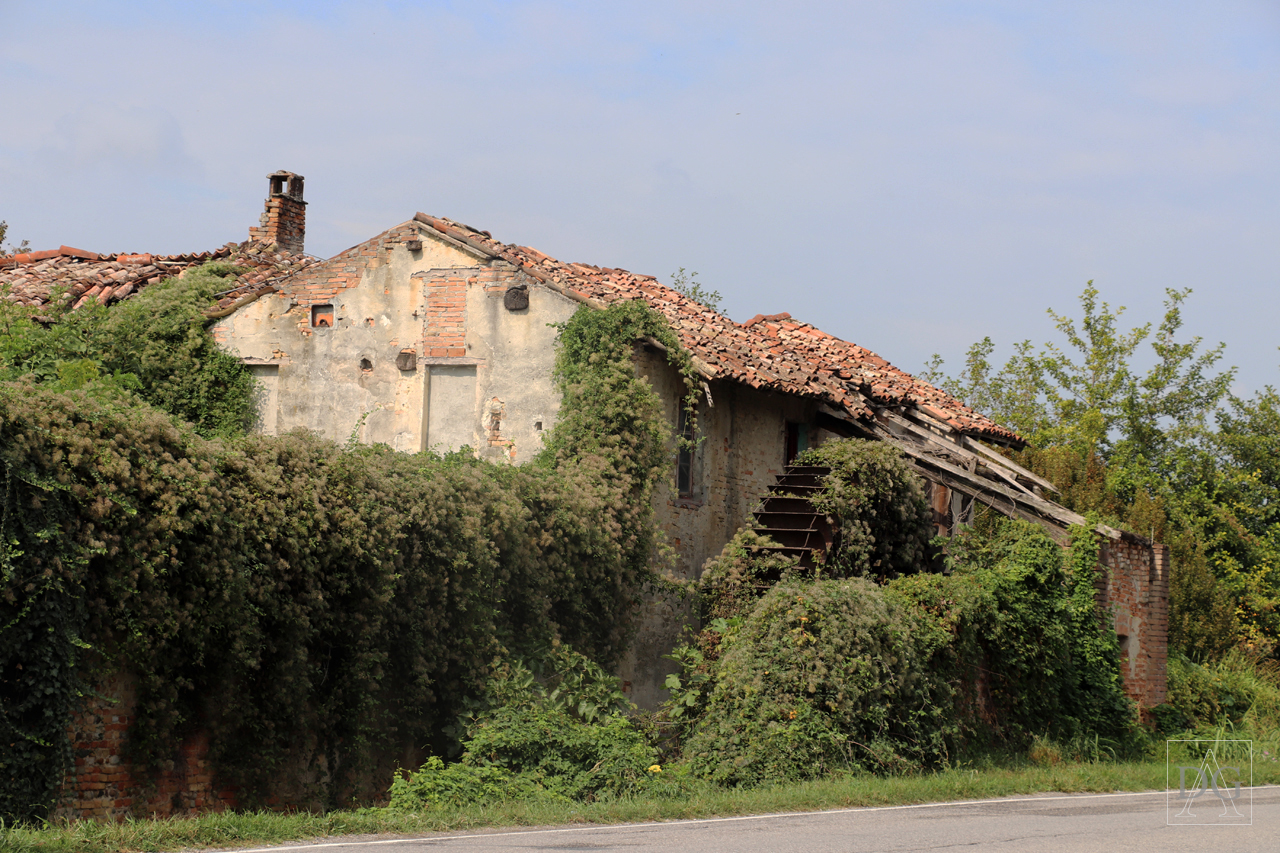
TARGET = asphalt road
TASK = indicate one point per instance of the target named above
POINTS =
(1053, 823)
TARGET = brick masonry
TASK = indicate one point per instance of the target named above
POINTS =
(103, 783)
(284, 221)
(1133, 592)
(445, 335)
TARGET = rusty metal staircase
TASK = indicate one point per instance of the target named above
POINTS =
(787, 516)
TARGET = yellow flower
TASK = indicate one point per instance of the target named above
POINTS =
(656, 768)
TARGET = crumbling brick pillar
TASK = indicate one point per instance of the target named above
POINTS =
(1134, 593)
(284, 220)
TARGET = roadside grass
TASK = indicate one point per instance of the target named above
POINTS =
(213, 831)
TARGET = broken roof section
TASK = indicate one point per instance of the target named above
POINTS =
(861, 393)
(31, 278)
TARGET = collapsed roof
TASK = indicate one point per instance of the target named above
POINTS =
(35, 278)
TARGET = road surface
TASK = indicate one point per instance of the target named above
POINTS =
(1052, 823)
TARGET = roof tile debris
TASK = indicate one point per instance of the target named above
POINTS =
(31, 278)
(772, 352)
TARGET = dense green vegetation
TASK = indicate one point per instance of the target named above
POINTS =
(347, 600)
(1168, 452)
(340, 600)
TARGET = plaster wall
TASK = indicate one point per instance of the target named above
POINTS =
(420, 351)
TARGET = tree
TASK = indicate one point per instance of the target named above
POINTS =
(10, 250)
(1088, 394)
(1139, 447)
(688, 284)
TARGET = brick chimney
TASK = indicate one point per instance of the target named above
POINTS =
(284, 222)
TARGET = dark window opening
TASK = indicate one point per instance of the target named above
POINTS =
(684, 454)
(322, 316)
(366, 364)
(797, 440)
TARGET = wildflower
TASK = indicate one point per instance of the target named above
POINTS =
(655, 768)
(791, 715)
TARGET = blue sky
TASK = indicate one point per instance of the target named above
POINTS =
(909, 176)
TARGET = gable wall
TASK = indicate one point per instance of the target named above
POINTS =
(421, 352)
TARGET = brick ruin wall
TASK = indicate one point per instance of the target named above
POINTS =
(1133, 593)
(102, 783)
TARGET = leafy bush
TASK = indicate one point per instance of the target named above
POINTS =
(831, 675)
(885, 524)
(820, 677)
(156, 345)
(1237, 690)
(295, 580)
(338, 601)
(566, 736)
(1028, 652)
(734, 580)
(435, 784)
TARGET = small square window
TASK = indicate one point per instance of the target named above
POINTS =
(322, 316)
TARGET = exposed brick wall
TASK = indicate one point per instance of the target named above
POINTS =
(445, 334)
(1134, 595)
(320, 284)
(103, 783)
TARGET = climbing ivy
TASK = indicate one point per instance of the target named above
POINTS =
(339, 602)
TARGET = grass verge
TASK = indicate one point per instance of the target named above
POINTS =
(264, 828)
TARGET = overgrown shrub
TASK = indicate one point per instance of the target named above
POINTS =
(1029, 652)
(831, 675)
(156, 345)
(336, 600)
(735, 579)
(819, 677)
(878, 502)
(566, 736)
(1237, 690)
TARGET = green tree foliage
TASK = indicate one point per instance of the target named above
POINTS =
(688, 284)
(1166, 452)
(10, 249)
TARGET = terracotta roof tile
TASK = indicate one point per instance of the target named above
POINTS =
(31, 277)
(773, 352)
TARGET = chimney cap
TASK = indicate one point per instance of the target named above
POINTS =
(283, 174)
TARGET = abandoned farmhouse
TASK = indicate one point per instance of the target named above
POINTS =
(433, 335)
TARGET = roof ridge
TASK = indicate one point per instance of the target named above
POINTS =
(769, 351)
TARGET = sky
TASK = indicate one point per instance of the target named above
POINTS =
(910, 176)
